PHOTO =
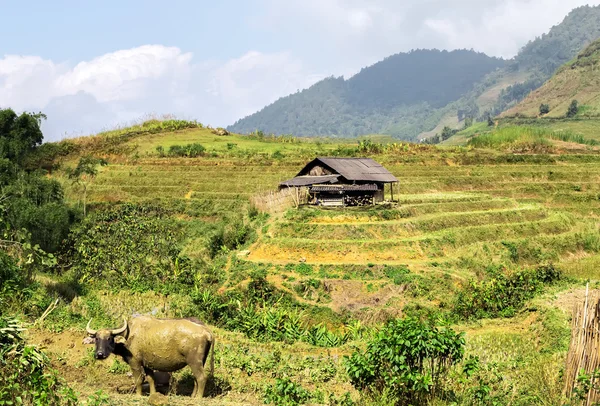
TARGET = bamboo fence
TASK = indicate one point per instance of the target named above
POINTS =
(278, 201)
(585, 344)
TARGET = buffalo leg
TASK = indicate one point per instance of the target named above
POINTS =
(199, 375)
(150, 378)
(138, 377)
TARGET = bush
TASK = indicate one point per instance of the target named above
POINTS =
(11, 278)
(286, 392)
(544, 109)
(408, 359)
(502, 294)
(132, 245)
(186, 151)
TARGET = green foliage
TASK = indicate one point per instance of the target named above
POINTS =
(36, 204)
(573, 109)
(544, 109)
(500, 294)
(131, 245)
(585, 383)
(408, 358)
(229, 236)
(285, 392)
(11, 277)
(186, 151)
(448, 132)
(19, 134)
(25, 374)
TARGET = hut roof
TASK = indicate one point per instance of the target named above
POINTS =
(310, 180)
(353, 169)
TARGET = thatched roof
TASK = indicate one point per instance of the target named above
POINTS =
(352, 169)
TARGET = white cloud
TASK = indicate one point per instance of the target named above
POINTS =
(346, 35)
(124, 85)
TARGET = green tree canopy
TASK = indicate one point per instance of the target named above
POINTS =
(19, 134)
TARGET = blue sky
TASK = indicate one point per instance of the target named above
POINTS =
(96, 65)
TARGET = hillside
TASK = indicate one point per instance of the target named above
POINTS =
(576, 80)
(478, 237)
(387, 98)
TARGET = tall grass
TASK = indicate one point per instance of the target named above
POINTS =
(509, 136)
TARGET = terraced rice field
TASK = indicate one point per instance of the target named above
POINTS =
(444, 212)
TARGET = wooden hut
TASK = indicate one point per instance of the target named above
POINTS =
(343, 181)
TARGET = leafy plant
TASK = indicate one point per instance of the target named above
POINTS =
(285, 392)
(25, 374)
(407, 358)
(502, 294)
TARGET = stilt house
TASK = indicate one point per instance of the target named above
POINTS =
(343, 181)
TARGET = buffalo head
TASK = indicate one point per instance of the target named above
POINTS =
(106, 339)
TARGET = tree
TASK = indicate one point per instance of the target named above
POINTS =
(468, 122)
(544, 109)
(490, 121)
(19, 134)
(573, 109)
(447, 132)
(85, 171)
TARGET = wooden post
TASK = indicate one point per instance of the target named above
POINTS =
(392, 190)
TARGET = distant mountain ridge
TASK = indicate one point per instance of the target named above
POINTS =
(410, 95)
(383, 97)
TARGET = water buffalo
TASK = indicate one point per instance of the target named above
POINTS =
(149, 344)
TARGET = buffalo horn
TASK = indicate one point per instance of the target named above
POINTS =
(89, 329)
(120, 330)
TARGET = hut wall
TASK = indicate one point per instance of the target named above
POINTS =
(380, 195)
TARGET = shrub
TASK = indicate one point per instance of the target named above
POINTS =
(132, 245)
(408, 359)
(502, 294)
(286, 392)
(187, 151)
(544, 109)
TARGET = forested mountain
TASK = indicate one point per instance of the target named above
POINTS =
(408, 94)
(399, 92)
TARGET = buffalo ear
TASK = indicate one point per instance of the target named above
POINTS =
(120, 340)
(89, 340)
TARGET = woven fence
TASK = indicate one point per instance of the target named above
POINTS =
(281, 200)
(585, 344)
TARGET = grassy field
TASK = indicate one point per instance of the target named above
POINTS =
(458, 211)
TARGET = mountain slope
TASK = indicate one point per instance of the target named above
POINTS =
(413, 95)
(394, 96)
(578, 80)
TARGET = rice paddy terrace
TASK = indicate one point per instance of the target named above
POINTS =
(446, 211)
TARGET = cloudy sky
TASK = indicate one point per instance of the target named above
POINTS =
(95, 65)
